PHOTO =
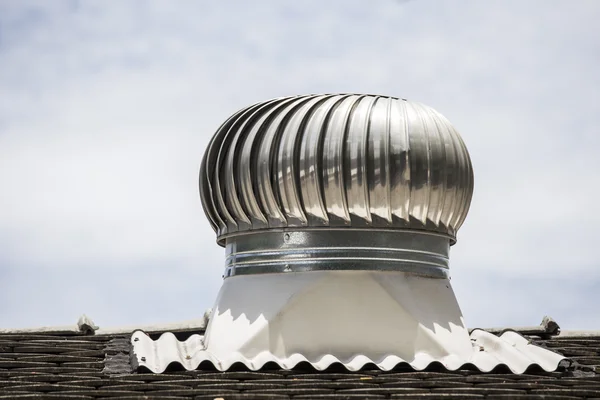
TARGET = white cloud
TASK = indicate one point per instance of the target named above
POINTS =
(106, 110)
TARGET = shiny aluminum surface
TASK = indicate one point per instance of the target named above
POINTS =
(318, 161)
(417, 252)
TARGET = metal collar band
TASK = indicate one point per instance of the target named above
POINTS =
(417, 252)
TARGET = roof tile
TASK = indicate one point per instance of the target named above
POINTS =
(73, 366)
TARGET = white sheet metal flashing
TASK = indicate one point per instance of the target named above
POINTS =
(350, 317)
(487, 352)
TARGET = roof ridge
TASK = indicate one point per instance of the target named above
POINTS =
(85, 326)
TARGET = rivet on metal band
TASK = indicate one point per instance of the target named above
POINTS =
(417, 252)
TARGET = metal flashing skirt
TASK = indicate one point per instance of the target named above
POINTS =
(349, 317)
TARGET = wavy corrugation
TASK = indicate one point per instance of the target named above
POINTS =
(489, 351)
(334, 161)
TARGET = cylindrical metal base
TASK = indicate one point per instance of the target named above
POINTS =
(416, 252)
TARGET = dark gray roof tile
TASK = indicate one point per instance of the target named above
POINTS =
(190, 392)
(429, 383)
(237, 375)
(329, 376)
(50, 368)
(571, 391)
(531, 397)
(86, 353)
(103, 382)
(577, 351)
(487, 391)
(336, 385)
(189, 382)
(49, 396)
(292, 390)
(383, 390)
(33, 377)
(104, 392)
(436, 396)
(238, 385)
(589, 360)
(10, 363)
(84, 364)
(9, 391)
(48, 365)
(150, 397)
(479, 379)
(56, 358)
(380, 379)
(45, 349)
(283, 381)
(180, 378)
(133, 385)
(26, 373)
(45, 387)
(428, 375)
(246, 396)
(338, 396)
(521, 385)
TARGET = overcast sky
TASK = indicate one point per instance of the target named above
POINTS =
(106, 109)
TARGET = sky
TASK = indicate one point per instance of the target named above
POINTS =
(106, 109)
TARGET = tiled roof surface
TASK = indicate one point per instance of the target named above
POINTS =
(75, 366)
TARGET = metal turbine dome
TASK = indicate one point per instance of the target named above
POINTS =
(318, 161)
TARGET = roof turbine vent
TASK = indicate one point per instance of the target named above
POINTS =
(337, 213)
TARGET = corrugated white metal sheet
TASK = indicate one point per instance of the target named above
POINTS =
(488, 351)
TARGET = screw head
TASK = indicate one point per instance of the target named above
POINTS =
(143, 358)
(137, 339)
